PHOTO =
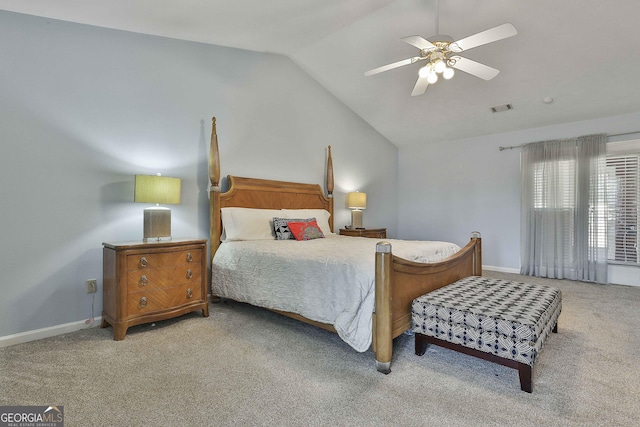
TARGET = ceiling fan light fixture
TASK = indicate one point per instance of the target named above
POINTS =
(438, 50)
(424, 71)
(448, 73)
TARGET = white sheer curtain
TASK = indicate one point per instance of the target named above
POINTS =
(563, 224)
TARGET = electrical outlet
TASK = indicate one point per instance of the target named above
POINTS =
(92, 286)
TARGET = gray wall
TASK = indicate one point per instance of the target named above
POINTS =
(84, 109)
(452, 188)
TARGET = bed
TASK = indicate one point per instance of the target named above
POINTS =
(395, 280)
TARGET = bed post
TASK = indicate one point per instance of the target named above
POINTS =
(330, 186)
(477, 253)
(382, 333)
(214, 192)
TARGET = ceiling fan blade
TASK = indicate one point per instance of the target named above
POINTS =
(474, 68)
(420, 87)
(392, 66)
(488, 36)
(418, 42)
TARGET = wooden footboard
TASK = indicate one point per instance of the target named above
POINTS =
(399, 282)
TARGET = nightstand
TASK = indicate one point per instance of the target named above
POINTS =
(376, 233)
(149, 281)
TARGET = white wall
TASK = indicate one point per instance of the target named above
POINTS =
(84, 109)
(452, 188)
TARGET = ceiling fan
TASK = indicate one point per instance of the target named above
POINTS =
(441, 55)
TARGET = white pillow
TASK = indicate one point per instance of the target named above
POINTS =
(248, 224)
(321, 215)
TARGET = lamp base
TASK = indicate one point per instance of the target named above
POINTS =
(157, 223)
(356, 218)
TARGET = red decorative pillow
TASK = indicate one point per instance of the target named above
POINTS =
(305, 230)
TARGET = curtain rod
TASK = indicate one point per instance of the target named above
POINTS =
(608, 136)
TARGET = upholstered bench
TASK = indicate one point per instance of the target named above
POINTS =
(497, 320)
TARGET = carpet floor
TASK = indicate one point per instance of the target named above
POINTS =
(247, 366)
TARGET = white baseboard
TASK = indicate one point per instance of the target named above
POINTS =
(618, 274)
(50, 331)
(501, 269)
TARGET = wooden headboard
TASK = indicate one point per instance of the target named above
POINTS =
(261, 193)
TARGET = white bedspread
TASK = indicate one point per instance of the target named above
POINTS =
(328, 280)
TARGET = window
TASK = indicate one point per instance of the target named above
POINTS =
(555, 194)
(554, 199)
(623, 193)
(554, 188)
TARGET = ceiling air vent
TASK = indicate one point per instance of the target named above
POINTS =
(501, 108)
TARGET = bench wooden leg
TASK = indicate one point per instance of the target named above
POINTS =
(525, 372)
(421, 344)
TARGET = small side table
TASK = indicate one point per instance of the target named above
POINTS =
(375, 233)
(149, 281)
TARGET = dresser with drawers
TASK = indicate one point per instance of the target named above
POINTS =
(375, 233)
(151, 281)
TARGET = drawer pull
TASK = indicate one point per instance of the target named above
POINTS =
(143, 262)
(143, 280)
(143, 302)
(189, 293)
(189, 274)
(189, 257)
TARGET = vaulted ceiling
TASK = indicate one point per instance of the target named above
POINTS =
(584, 54)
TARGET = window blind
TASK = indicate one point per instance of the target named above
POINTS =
(623, 193)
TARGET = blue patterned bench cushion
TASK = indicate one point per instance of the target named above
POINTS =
(508, 319)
